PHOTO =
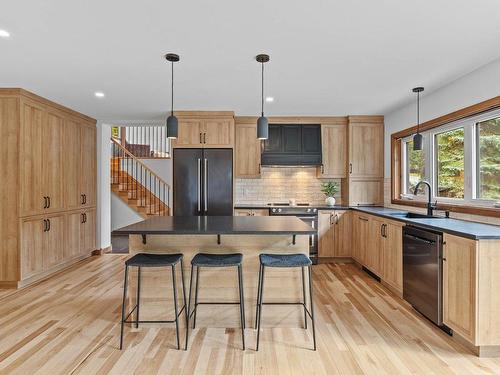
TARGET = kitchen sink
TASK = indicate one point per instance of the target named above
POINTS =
(414, 215)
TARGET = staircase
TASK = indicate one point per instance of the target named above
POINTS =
(136, 184)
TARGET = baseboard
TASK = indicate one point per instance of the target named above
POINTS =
(8, 284)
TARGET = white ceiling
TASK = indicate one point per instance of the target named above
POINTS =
(328, 57)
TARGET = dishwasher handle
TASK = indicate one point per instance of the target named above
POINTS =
(420, 239)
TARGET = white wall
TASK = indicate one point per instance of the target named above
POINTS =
(121, 214)
(475, 87)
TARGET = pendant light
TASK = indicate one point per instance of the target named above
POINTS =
(262, 122)
(172, 123)
(417, 138)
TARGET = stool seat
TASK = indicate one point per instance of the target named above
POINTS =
(284, 260)
(153, 260)
(217, 260)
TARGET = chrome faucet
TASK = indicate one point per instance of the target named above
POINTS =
(430, 206)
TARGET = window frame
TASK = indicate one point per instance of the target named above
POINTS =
(470, 123)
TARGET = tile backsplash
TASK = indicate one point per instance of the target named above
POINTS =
(280, 185)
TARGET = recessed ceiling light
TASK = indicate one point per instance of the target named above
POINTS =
(4, 34)
(269, 99)
(99, 94)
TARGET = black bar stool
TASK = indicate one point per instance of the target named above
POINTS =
(216, 260)
(153, 260)
(285, 261)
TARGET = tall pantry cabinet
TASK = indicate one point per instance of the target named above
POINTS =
(48, 182)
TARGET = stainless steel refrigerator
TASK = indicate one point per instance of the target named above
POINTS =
(203, 182)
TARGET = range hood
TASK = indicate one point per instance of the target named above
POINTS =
(291, 145)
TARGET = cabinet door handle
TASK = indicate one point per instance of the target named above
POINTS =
(201, 141)
(350, 168)
(44, 202)
(48, 225)
(322, 169)
(44, 225)
(84, 198)
(336, 219)
(48, 206)
(382, 230)
(85, 216)
(259, 168)
(204, 137)
(362, 218)
(81, 218)
(81, 198)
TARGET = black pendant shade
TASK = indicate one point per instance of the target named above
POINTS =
(417, 138)
(172, 123)
(262, 122)
(262, 128)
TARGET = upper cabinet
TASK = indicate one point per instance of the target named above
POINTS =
(247, 150)
(366, 146)
(365, 183)
(205, 130)
(334, 149)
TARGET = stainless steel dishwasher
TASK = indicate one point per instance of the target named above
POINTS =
(423, 272)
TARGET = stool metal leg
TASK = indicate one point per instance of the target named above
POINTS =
(312, 308)
(196, 295)
(184, 293)
(174, 284)
(242, 306)
(138, 295)
(304, 296)
(125, 285)
(258, 298)
(261, 290)
(189, 307)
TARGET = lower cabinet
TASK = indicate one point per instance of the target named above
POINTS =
(392, 255)
(459, 285)
(378, 245)
(334, 234)
(51, 240)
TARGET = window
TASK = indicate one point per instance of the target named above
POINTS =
(461, 161)
(450, 163)
(488, 159)
(414, 161)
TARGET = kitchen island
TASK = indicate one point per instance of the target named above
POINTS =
(220, 234)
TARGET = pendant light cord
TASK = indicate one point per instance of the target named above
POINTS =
(262, 91)
(172, 102)
(418, 111)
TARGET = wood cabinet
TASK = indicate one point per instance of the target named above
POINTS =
(360, 232)
(365, 182)
(392, 255)
(334, 149)
(326, 234)
(374, 245)
(366, 146)
(459, 285)
(50, 166)
(247, 150)
(205, 130)
(251, 212)
(334, 233)
(378, 245)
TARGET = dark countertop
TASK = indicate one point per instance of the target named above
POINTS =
(462, 228)
(191, 225)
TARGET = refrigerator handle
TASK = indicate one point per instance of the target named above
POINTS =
(205, 188)
(199, 184)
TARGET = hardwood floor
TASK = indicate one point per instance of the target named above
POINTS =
(69, 324)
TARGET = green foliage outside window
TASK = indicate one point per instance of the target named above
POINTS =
(488, 135)
(450, 163)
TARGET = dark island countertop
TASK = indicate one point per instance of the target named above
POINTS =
(462, 228)
(193, 225)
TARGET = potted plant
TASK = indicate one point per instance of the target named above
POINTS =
(330, 188)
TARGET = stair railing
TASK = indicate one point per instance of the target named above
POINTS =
(148, 141)
(142, 184)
